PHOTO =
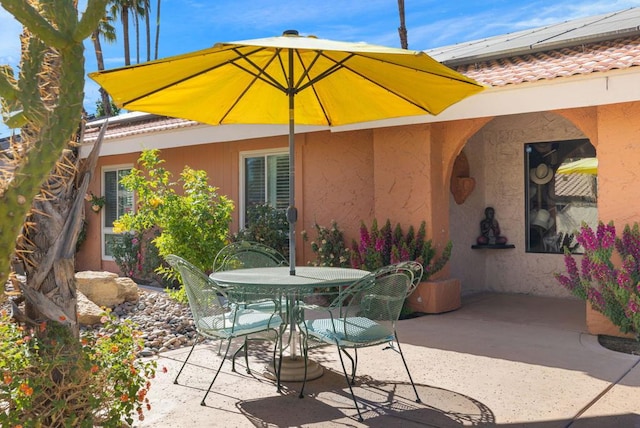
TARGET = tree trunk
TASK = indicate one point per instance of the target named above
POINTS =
(97, 46)
(157, 31)
(402, 30)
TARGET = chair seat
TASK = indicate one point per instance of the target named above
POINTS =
(235, 323)
(349, 332)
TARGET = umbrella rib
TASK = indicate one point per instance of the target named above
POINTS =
(335, 67)
(176, 82)
(457, 79)
(299, 87)
(260, 72)
(342, 64)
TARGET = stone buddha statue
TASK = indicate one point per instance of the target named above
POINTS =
(490, 229)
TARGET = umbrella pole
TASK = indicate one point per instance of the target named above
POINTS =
(292, 212)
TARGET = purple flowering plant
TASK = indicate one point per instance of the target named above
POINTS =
(609, 273)
(380, 247)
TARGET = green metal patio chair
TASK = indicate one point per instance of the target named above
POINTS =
(217, 320)
(247, 254)
(365, 314)
(250, 254)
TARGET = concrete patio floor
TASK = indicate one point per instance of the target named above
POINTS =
(500, 360)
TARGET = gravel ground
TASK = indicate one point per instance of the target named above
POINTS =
(165, 324)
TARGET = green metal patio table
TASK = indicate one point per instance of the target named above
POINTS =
(279, 283)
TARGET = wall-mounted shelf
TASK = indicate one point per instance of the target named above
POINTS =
(493, 247)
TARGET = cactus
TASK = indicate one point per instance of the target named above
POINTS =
(48, 98)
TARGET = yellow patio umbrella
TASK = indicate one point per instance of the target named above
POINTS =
(580, 166)
(289, 79)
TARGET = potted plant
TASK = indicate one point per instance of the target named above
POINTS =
(382, 246)
(97, 202)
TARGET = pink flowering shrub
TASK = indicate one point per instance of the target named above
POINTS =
(384, 246)
(609, 273)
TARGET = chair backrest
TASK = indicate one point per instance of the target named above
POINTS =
(247, 254)
(204, 295)
(416, 270)
(378, 296)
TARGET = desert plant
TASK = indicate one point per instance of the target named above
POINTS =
(329, 246)
(384, 246)
(609, 273)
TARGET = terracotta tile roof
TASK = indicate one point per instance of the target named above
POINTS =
(569, 61)
(146, 124)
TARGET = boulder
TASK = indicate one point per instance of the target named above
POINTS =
(106, 288)
(88, 312)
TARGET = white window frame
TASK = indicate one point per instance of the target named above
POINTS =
(242, 157)
(104, 231)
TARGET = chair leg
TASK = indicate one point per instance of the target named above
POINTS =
(195, 342)
(407, 368)
(202, 403)
(346, 376)
(246, 354)
(235, 354)
(278, 345)
(305, 354)
(354, 364)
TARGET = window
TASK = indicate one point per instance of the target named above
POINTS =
(118, 201)
(265, 180)
(561, 193)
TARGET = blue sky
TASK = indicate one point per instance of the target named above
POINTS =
(188, 25)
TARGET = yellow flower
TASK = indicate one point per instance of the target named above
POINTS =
(155, 201)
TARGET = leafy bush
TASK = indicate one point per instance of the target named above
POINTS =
(384, 246)
(136, 255)
(266, 225)
(193, 224)
(329, 246)
(50, 378)
(127, 253)
(609, 273)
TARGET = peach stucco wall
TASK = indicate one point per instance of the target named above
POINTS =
(496, 157)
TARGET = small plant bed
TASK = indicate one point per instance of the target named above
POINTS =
(620, 344)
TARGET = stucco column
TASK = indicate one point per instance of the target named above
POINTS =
(618, 153)
(408, 180)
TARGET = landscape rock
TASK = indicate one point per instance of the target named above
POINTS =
(106, 288)
(88, 312)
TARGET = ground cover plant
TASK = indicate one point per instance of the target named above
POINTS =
(55, 380)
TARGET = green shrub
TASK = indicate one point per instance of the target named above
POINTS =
(329, 246)
(266, 225)
(193, 224)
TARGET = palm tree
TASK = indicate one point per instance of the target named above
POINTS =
(120, 8)
(155, 56)
(402, 30)
(106, 31)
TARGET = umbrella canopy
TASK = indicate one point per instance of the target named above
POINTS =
(581, 166)
(320, 82)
